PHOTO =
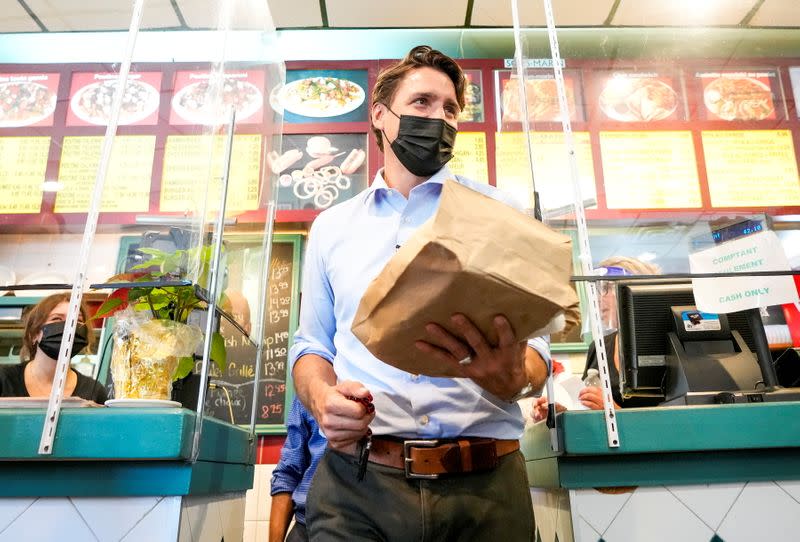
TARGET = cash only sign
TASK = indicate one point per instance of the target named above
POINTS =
(759, 252)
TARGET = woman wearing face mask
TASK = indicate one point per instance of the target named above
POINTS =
(44, 327)
(592, 396)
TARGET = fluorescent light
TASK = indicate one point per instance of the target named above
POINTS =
(52, 186)
(647, 256)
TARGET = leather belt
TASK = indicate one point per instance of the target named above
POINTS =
(434, 458)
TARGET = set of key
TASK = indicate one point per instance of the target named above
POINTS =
(364, 445)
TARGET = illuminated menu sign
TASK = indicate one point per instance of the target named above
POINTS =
(751, 168)
(92, 95)
(550, 166)
(469, 157)
(649, 170)
(23, 162)
(192, 162)
(127, 183)
(27, 99)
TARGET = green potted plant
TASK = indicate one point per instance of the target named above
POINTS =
(153, 342)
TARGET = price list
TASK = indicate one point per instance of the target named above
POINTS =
(23, 162)
(550, 167)
(650, 170)
(751, 168)
(469, 157)
(127, 183)
(234, 386)
(193, 162)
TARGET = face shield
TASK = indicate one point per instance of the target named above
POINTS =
(608, 296)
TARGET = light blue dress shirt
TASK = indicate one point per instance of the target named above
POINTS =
(348, 246)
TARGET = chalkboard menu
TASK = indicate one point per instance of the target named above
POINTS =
(231, 392)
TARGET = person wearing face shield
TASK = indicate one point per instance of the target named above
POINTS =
(41, 343)
(592, 396)
(409, 457)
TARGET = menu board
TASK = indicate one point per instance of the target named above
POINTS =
(632, 96)
(541, 97)
(234, 387)
(203, 97)
(317, 171)
(473, 97)
(748, 95)
(311, 96)
(192, 161)
(469, 157)
(27, 99)
(91, 98)
(23, 162)
(550, 166)
(127, 183)
(649, 170)
(751, 168)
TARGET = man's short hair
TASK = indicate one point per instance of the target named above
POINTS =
(420, 56)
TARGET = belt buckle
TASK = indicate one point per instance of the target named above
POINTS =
(407, 445)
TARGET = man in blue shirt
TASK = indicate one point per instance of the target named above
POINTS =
(291, 478)
(444, 462)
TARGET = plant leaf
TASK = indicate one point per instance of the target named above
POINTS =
(115, 302)
(152, 251)
(185, 366)
(219, 354)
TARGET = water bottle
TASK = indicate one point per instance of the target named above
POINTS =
(592, 378)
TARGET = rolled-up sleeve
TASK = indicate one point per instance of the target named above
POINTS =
(317, 326)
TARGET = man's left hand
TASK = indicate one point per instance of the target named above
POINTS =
(499, 369)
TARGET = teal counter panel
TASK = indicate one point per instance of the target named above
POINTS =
(668, 446)
(122, 434)
(121, 478)
(678, 429)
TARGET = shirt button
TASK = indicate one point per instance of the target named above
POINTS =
(423, 420)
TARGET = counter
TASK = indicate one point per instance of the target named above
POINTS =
(723, 472)
(122, 474)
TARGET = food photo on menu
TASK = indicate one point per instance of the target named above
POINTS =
(473, 97)
(745, 95)
(541, 96)
(317, 171)
(206, 98)
(92, 97)
(27, 99)
(638, 97)
(317, 96)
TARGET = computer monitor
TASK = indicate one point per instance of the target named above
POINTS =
(659, 358)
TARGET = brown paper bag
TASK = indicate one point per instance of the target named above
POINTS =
(475, 256)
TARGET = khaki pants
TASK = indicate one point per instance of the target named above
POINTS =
(489, 506)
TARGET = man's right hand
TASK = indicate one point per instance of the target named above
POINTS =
(343, 420)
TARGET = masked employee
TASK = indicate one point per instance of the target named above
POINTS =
(41, 343)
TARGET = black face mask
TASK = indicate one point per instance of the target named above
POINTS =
(50, 344)
(423, 145)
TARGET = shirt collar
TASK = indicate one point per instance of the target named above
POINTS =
(379, 183)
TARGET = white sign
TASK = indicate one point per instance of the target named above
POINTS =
(759, 252)
(794, 74)
(532, 63)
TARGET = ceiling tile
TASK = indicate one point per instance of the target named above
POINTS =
(531, 13)
(682, 12)
(248, 14)
(101, 14)
(15, 19)
(295, 13)
(399, 14)
(777, 13)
